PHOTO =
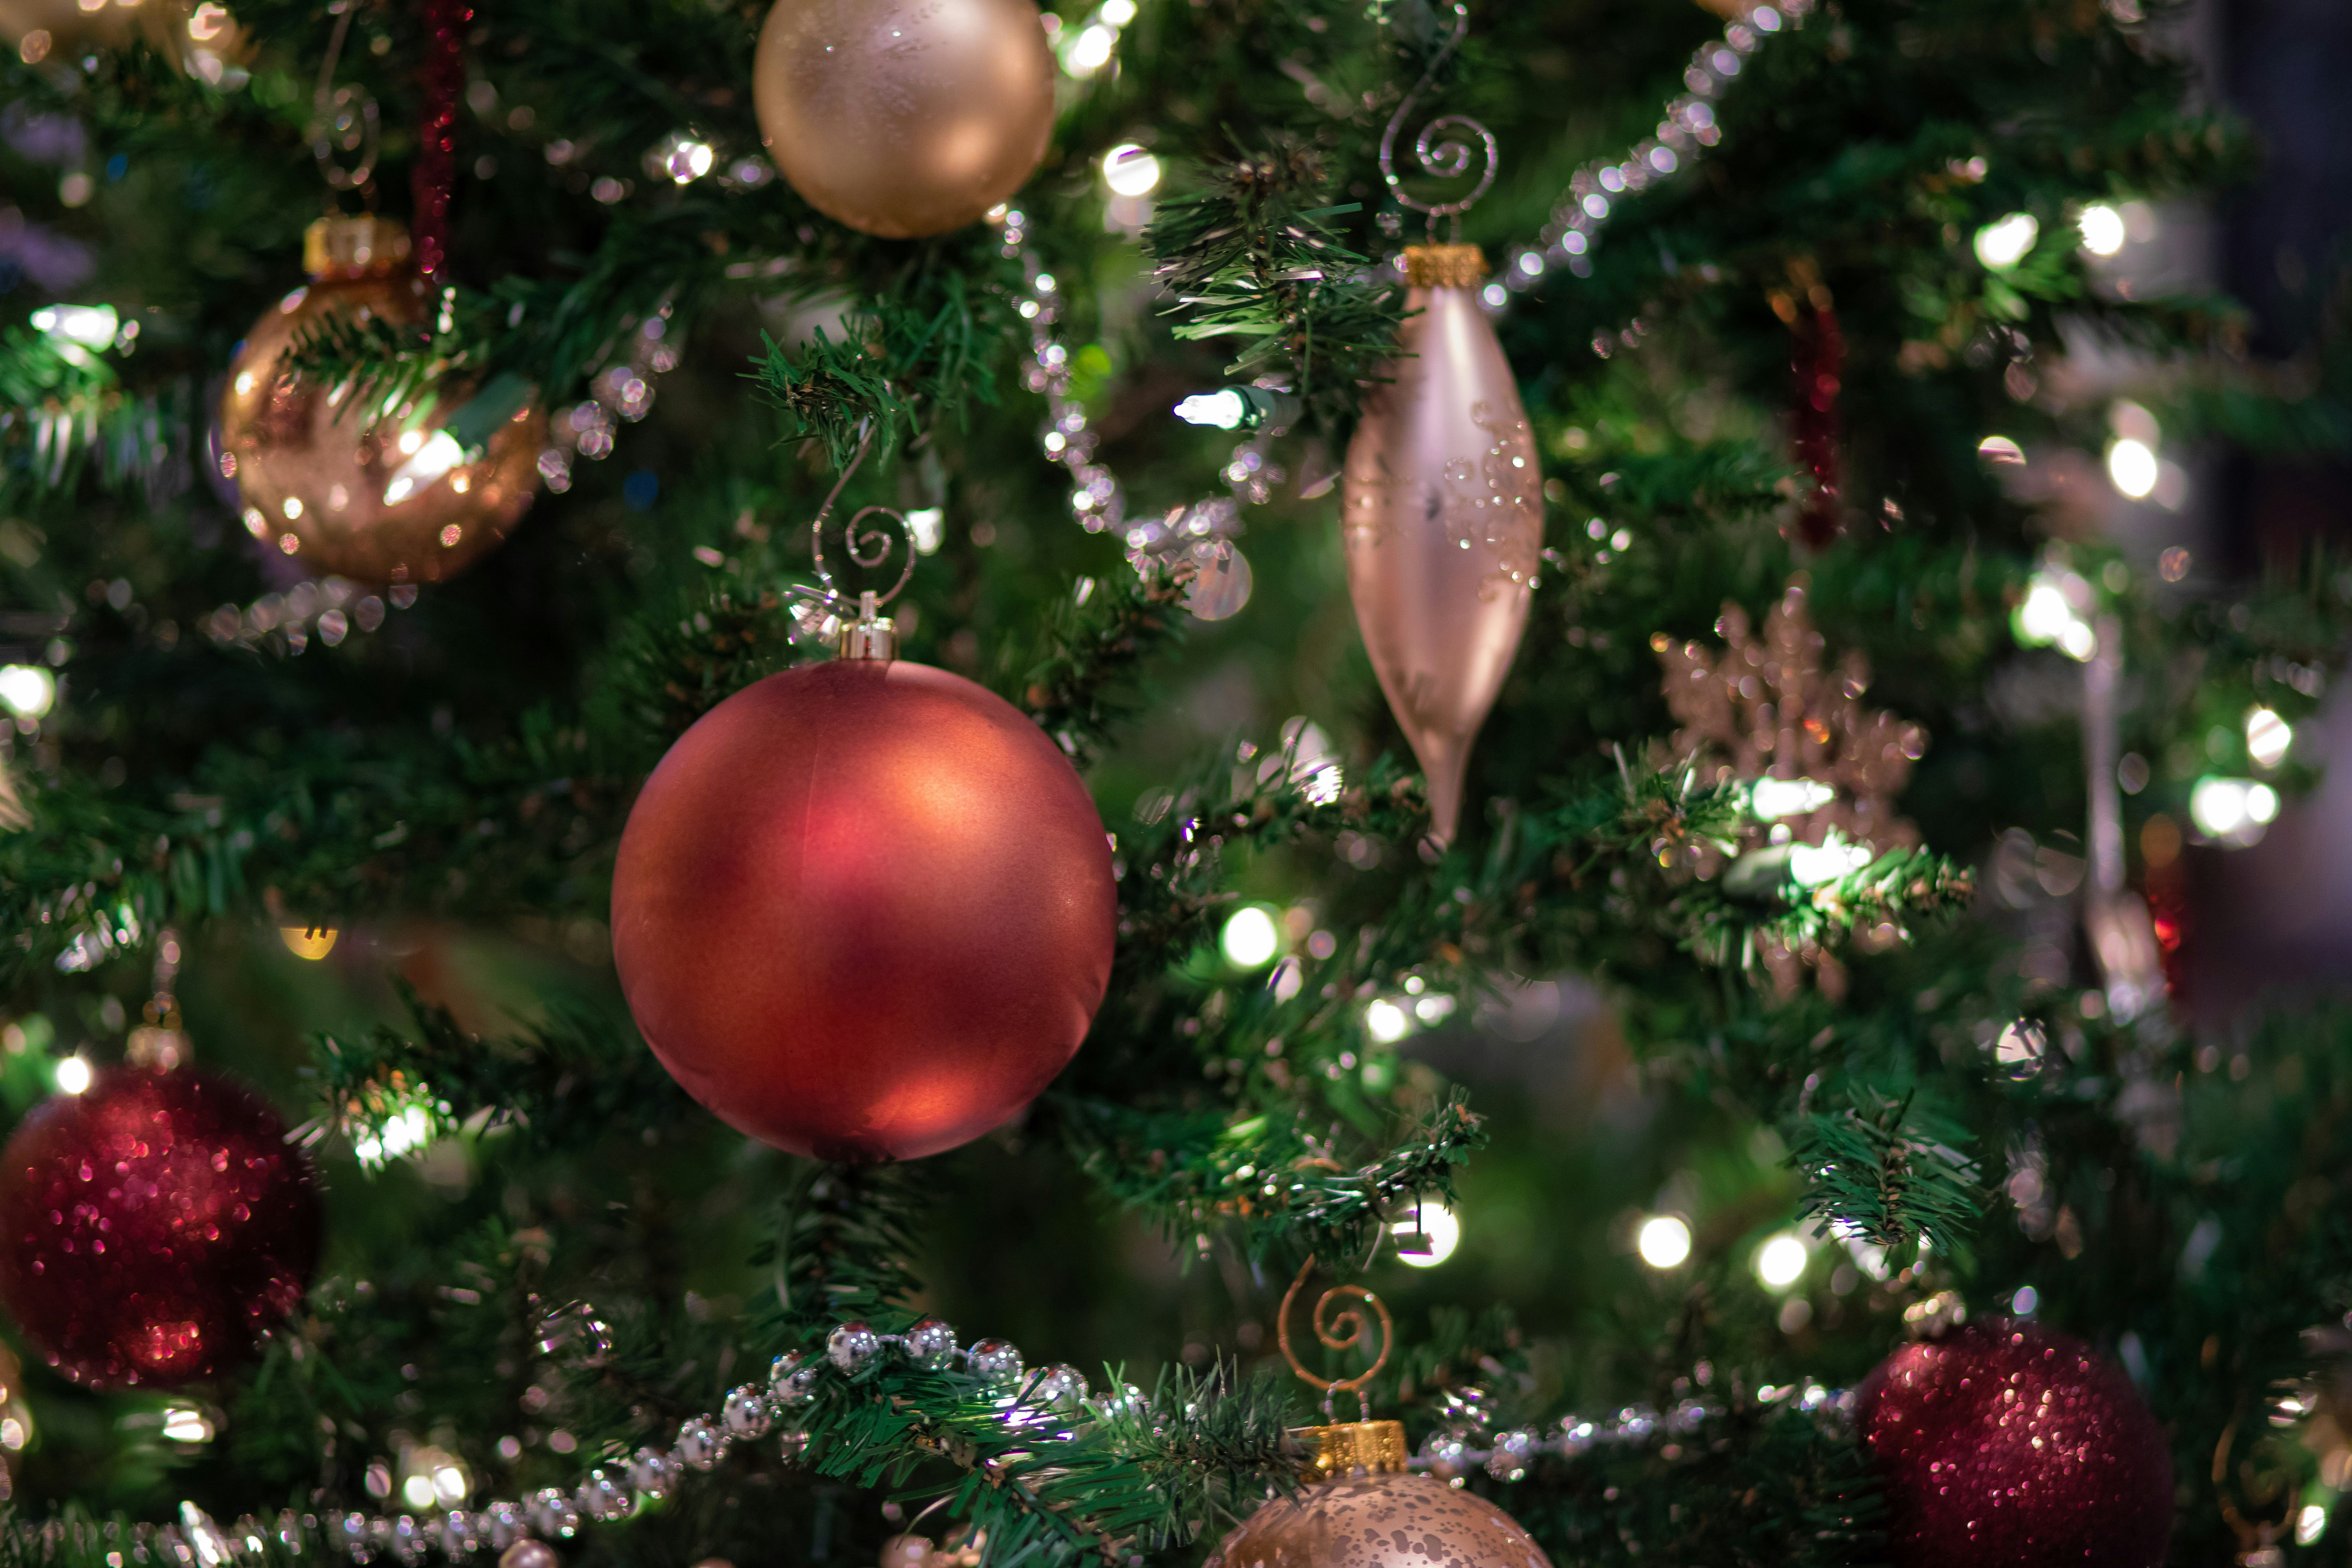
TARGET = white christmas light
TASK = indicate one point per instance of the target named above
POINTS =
(1090, 51)
(1663, 1240)
(1131, 171)
(1811, 867)
(1386, 1022)
(181, 1425)
(92, 326)
(2045, 616)
(1250, 938)
(27, 690)
(1436, 1225)
(73, 1076)
(928, 525)
(1221, 410)
(2104, 232)
(1780, 1262)
(2132, 465)
(2235, 812)
(1770, 799)
(2311, 1523)
(2268, 736)
(433, 458)
(2001, 246)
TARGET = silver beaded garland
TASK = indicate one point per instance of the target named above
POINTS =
(654, 1473)
(996, 1362)
(745, 1414)
(1058, 1386)
(852, 1347)
(554, 1513)
(601, 1496)
(930, 1344)
(701, 1445)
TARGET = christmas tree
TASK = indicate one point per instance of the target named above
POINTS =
(788, 785)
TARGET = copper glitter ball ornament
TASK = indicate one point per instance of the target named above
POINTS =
(864, 911)
(1373, 1513)
(413, 492)
(153, 1226)
(904, 118)
(2004, 1442)
(1442, 514)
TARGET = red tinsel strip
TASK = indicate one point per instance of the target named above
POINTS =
(442, 80)
(1819, 364)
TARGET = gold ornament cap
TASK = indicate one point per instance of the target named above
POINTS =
(1376, 1446)
(343, 247)
(1444, 265)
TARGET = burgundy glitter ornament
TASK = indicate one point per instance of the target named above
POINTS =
(153, 1226)
(2005, 1444)
(864, 911)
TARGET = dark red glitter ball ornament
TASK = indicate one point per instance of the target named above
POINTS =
(2005, 1444)
(152, 1227)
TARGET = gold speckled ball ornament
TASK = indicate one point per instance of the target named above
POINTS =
(1371, 1512)
(904, 118)
(408, 493)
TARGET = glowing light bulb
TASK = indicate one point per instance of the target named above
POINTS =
(2001, 246)
(1663, 1241)
(1431, 1225)
(2132, 465)
(90, 326)
(308, 941)
(1222, 410)
(1090, 51)
(1386, 1022)
(1249, 939)
(2268, 736)
(1131, 171)
(2045, 616)
(1780, 1262)
(27, 690)
(418, 1490)
(73, 1076)
(1770, 799)
(2103, 231)
(181, 1425)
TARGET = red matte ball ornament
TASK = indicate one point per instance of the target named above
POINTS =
(2005, 1442)
(864, 911)
(153, 1226)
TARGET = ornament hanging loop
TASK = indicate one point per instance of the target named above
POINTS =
(865, 632)
(1340, 1328)
(344, 120)
(1443, 149)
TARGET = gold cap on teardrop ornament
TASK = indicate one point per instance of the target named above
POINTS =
(1377, 1446)
(346, 247)
(1444, 265)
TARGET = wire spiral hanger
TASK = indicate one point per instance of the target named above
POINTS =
(1347, 1328)
(344, 120)
(1448, 159)
(863, 633)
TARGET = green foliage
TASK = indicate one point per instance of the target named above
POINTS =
(1891, 1172)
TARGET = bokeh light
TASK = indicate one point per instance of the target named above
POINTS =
(1249, 939)
(1663, 1241)
(1432, 1223)
(1780, 1261)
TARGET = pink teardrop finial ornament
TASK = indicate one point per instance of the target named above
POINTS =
(1443, 516)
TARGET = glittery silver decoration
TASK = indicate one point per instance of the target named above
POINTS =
(701, 1445)
(930, 1344)
(745, 1414)
(852, 1347)
(995, 1361)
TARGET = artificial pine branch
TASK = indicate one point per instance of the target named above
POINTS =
(1254, 255)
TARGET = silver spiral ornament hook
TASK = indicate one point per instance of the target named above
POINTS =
(344, 120)
(863, 633)
(1439, 150)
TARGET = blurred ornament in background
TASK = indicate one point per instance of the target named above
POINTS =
(1443, 519)
(2004, 1442)
(408, 491)
(904, 118)
(1221, 582)
(153, 1226)
(864, 911)
(65, 25)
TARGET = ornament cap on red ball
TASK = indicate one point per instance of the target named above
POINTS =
(864, 911)
(2004, 1444)
(153, 1227)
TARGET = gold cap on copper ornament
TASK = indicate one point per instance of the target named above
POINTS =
(1376, 1446)
(869, 638)
(1444, 265)
(362, 247)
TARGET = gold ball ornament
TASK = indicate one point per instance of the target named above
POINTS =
(198, 38)
(40, 27)
(413, 492)
(1373, 1513)
(904, 118)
